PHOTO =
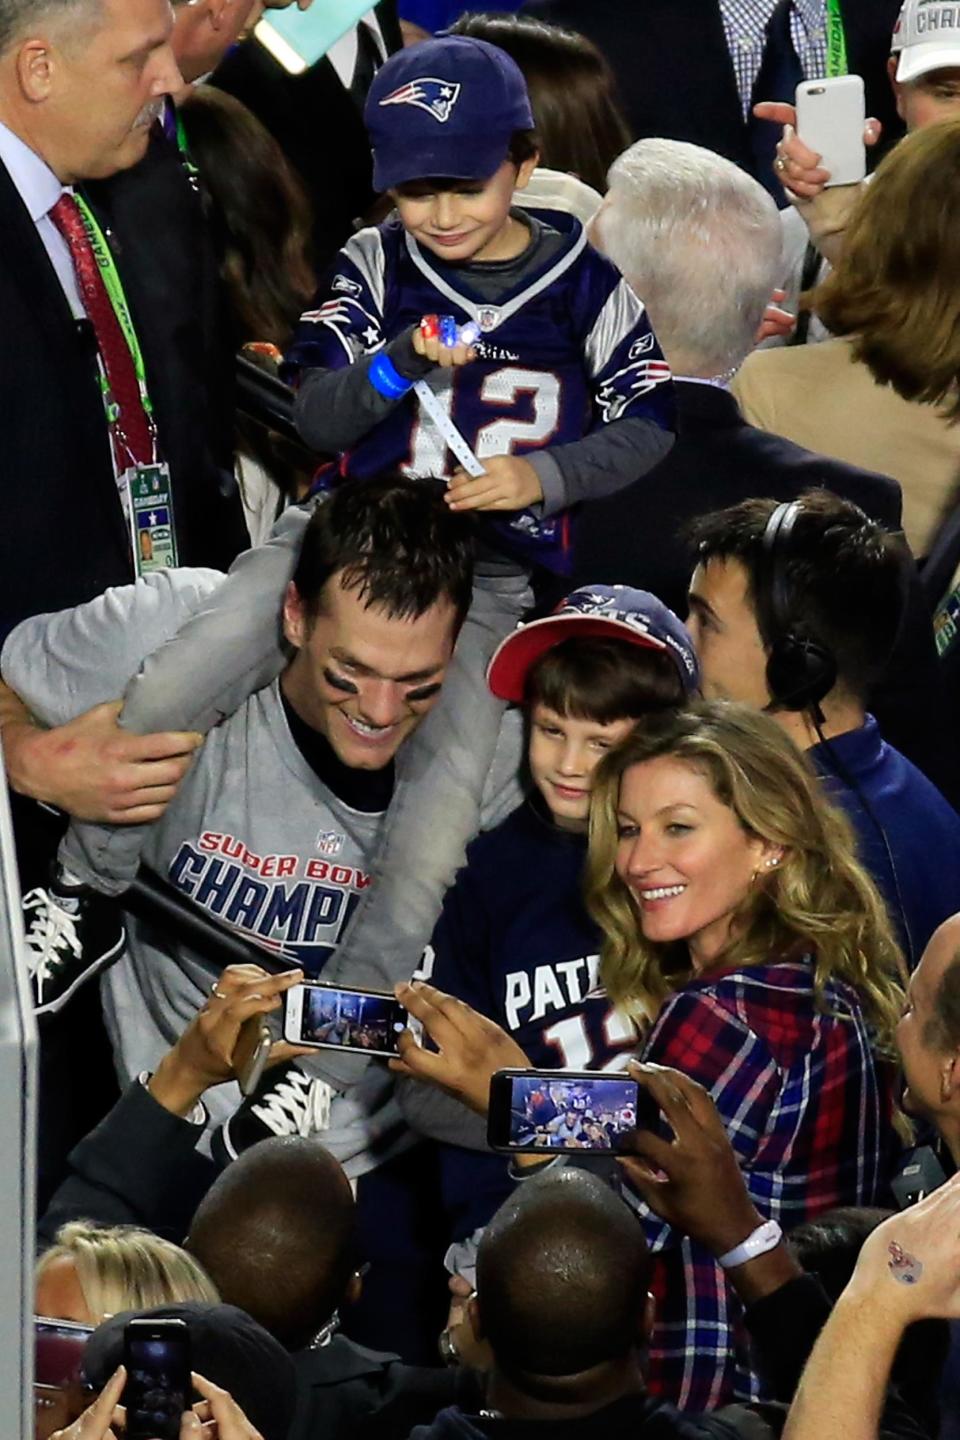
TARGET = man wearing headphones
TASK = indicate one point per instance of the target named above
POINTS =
(795, 608)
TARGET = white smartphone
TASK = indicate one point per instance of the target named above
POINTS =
(337, 1018)
(831, 115)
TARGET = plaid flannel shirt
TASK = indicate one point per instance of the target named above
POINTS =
(808, 1110)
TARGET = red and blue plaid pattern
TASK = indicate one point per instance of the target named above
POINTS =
(808, 1109)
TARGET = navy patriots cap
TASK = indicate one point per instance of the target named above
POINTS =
(446, 107)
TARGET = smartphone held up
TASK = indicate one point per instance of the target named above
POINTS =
(340, 1018)
(159, 1388)
(565, 1111)
(831, 116)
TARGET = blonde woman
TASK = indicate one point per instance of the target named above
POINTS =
(743, 937)
(91, 1272)
(738, 923)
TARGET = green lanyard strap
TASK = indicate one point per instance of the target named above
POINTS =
(186, 159)
(114, 288)
(836, 41)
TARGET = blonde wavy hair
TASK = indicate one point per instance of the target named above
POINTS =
(120, 1267)
(818, 894)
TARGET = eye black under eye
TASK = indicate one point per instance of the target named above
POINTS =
(424, 692)
(339, 682)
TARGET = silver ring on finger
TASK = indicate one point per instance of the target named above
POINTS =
(220, 994)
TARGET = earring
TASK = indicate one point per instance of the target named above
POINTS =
(773, 862)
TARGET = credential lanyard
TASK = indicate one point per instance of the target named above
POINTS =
(114, 288)
(836, 41)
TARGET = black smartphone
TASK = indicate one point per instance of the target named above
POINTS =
(156, 1354)
(565, 1111)
(338, 1018)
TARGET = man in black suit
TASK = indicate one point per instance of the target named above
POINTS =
(82, 83)
(317, 119)
(690, 69)
(700, 242)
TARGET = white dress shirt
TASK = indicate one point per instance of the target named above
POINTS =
(39, 189)
(343, 52)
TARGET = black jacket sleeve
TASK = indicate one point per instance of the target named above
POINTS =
(137, 1167)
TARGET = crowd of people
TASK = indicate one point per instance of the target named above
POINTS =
(371, 418)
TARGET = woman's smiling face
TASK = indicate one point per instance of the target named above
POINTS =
(684, 856)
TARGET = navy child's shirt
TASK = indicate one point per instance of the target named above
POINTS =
(515, 941)
(564, 349)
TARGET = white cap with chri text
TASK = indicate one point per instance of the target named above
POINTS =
(927, 37)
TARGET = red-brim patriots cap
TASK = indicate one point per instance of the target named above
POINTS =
(609, 612)
(444, 108)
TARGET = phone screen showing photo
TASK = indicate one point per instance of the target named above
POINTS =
(575, 1113)
(351, 1020)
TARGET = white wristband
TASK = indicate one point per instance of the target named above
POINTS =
(766, 1237)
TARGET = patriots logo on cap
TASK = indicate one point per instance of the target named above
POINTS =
(437, 97)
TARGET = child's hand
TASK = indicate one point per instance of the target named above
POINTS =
(510, 483)
(431, 339)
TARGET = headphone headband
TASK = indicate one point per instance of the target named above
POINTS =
(800, 669)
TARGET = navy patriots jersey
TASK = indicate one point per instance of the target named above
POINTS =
(566, 349)
(515, 941)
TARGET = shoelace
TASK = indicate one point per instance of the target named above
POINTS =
(52, 930)
(299, 1105)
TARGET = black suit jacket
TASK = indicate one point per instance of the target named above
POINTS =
(674, 71)
(635, 538)
(319, 127)
(62, 534)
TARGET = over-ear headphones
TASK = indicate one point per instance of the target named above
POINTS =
(800, 669)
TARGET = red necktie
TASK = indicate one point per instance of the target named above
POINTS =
(114, 350)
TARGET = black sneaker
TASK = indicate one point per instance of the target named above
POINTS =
(286, 1102)
(72, 934)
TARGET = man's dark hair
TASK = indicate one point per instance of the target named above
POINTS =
(392, 539)
(844, 575)
(276, 1233)
(603, 680)
(524, 145)
(562, 1276)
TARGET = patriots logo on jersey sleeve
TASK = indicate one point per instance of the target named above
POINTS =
(618, 393)
(437, 97)
(355, 327)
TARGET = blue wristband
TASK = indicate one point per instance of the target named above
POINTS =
(386, 378)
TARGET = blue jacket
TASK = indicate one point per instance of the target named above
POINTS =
(908, 835)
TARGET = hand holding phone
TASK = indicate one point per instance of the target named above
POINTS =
(468, 1048)
(831, 117)
(693, 1180)
(225, 1040)
(156, 1356)
(798, 167)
